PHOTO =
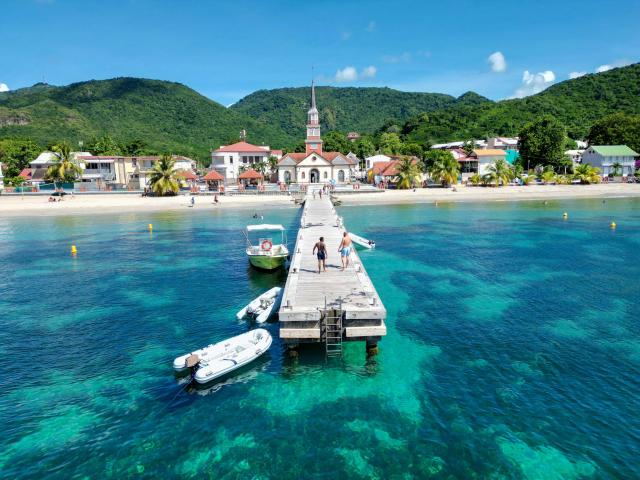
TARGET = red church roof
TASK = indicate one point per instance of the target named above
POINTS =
(328, 156)
(242, 147)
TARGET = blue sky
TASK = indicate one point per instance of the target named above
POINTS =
(226, 50)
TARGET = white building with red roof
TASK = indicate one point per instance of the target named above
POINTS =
(228, 159)
(315, 165)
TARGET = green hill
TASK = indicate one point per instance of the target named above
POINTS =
(344, 109)
(577, 103)
(171, 117)
(167, 116)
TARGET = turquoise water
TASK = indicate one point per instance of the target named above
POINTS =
(513, 349)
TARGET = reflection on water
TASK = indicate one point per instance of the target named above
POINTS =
(513, 349)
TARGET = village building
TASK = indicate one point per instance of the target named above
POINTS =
(386, 171)
(479, 161)
(315, 165)
(229, 160)
(605, 157)
(370, 161)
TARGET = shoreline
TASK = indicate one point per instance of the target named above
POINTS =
(96, 204)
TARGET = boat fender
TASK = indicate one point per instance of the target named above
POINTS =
(266, 245)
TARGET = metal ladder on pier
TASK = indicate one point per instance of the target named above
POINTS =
(332, 321)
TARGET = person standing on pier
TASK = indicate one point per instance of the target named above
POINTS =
(345, 250)
(322, 254)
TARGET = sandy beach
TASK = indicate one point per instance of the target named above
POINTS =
(121, 203)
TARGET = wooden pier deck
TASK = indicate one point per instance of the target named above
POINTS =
(310, 298)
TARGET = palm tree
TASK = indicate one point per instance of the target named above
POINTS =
(408, 173)
(273, 164)
(587, 174)
(548, 177)
(616, 169)
(260, 167)
(65, 169)
(445, 171)
(499, 173)
(162, 178)
(475, 179)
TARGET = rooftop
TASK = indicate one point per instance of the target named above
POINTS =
(614, 151)
(242, 147)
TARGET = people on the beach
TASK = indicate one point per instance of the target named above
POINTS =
(215, 199)
(193, 201)
(345, 250)
(320, 249)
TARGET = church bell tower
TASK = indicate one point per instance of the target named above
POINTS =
(313, 142)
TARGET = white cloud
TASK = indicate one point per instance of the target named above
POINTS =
(608, 66)
(497, 61)
(4, 87)
(347, 74)
(404, 57)
(371, 27)
(534, 83)
(350, 74)
(369, 72)
(573, 75)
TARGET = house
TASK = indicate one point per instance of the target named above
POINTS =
(370, 161)
(479, 161)
(138, 169)
(357, 162)
(503, 143)
(26, 174)
(387, 171)
(353, 136)
(315, 165)
(227, 159)
(575, 156)
(45, 160)
(605, 157)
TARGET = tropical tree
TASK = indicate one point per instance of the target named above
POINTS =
(528, 179)
(65, 169)
(445, 170)
(475, 179)
(408, 173)
(260, 167)
(364, 148)
(433, 156)
(563, 179)
(542, 141)
(162, 178)
(499, 173)
(336, 142)
(548, 176)
(468, 147)
(587, 174)
(616, 169)
(390, 143)
(616, 129)
(16, 154)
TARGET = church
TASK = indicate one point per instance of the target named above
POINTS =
(315, 165)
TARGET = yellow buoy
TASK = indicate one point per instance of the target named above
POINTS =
(151, 226)
(613, 225)
(565, 215)
(74, 250)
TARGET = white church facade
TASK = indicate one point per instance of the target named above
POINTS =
(315, 165)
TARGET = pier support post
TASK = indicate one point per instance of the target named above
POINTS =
(292, 351)
(372, 348)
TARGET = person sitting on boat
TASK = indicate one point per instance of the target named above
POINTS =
(345, 250)
(322, 254)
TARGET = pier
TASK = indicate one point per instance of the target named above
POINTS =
(334, 306)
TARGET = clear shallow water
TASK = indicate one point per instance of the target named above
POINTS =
(513, 349)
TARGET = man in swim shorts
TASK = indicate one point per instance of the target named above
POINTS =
(322, 254)
(345, 250)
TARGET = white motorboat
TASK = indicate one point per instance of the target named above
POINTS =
(266, 254)
(363, 242)
(237, 352)
(263, 306)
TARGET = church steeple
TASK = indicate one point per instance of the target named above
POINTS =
(313, 141)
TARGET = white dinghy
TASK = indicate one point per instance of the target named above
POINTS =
(263, 306)
(236, 352)
(363, 242)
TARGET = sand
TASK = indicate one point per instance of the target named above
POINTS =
(38, 205)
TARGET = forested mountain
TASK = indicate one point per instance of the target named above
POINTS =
(167, 116)
(344, 109)
(170, 117)
(577, 103)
